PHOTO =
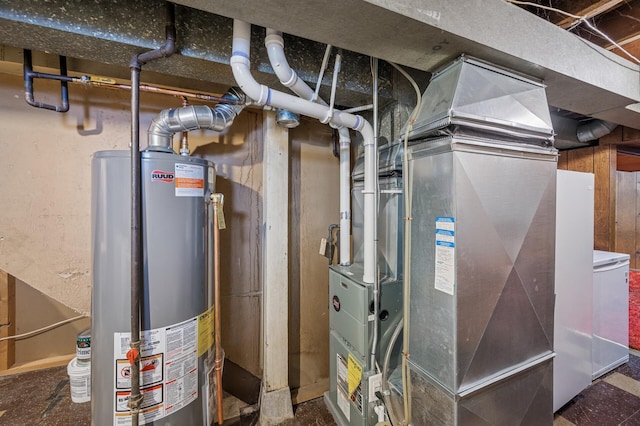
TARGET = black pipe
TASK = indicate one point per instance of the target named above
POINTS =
(29, 75)
(165, 50)
(135, 398)
(169, 47)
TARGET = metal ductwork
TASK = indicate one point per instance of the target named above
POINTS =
(575, 133)
(174, 120)
(594, 130)
(483, 191)
(472, 94)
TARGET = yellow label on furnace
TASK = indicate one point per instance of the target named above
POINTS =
(354, 374)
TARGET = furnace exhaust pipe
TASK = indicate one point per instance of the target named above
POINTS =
(289, 78)
(266, 96)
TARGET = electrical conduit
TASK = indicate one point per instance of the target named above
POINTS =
(266, 96)
(289, 78)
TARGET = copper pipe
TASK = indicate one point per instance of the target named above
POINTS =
(216, 303)
(155, 89)
(184, 141)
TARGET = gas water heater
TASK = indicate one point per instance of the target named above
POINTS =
(176, 315)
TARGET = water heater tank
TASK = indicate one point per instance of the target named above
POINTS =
(176, 303)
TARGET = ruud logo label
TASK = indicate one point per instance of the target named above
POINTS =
(159, 175)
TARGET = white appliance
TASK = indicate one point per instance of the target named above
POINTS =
(610, 311)
(573, 285)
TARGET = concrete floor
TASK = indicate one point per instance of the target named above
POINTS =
(42, 398)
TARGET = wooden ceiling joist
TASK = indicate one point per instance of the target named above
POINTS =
(585, 8)
(621, 25)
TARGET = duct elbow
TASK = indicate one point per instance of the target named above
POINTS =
(174, 120)
(594, 130)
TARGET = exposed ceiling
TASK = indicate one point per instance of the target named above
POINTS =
(425, 35)
(619, 20)
(581, 78)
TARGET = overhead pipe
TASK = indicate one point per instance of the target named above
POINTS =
(263, 95)
(97, 81)
(167, 49)
(594, 130)
(174, 120)
(289, 78)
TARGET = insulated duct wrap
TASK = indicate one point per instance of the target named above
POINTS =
(189, 118)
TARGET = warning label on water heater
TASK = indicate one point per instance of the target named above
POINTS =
(445, 273)
(189, 180)
(168, 371)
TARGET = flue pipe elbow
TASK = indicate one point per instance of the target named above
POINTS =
(174, 120)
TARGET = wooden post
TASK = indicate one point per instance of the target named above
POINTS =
(7, 319)
(275, 404)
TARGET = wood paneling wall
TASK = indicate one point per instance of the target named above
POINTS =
(601, 161)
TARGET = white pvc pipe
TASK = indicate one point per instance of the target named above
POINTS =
(345, 196)
(266, 96)
(288, 77)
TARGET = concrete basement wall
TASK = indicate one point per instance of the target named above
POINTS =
(45, 199)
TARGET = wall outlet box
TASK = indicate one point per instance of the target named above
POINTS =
(375, 385)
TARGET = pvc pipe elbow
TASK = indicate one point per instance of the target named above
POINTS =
(273, 36)
(242, 74)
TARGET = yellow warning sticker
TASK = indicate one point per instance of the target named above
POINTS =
(354, 374)
(205, 331)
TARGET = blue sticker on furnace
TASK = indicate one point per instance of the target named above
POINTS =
(445, 234)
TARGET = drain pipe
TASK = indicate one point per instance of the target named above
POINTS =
(594, 130)
(135, 398)
(194, 117)
(265, 96)
(289, 78)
